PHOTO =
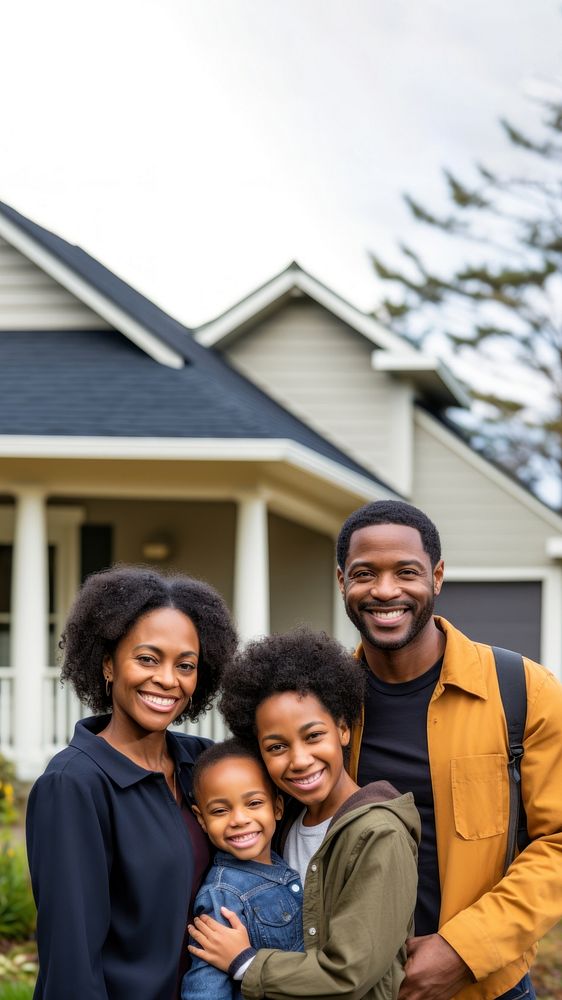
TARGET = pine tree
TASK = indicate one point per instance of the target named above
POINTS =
(504, 303)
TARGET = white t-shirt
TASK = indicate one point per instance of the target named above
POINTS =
(302, 842)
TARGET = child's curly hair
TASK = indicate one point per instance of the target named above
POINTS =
(231, 749)
(301, 660)
(108, 606)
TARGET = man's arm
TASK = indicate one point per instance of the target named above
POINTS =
(434, 971)
(527, 901)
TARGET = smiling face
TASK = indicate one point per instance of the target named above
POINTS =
(238, 809)
(302, 748)
(389, 586)
(153, 671)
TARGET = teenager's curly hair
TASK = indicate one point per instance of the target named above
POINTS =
(108, 606)
(301, 660)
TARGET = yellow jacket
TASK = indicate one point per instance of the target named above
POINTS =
(490, 921)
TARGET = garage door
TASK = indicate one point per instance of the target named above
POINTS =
(502, 614)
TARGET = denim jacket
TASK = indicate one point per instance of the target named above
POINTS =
(268, 900)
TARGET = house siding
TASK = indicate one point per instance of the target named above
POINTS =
(31, 300)
(201, 535)
(301, 571)
(202, 538)
(319, 368)
(481, 524)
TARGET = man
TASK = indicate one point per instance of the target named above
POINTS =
(434, 724)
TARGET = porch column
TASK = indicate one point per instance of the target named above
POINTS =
(344, 631)
(251, 569)
(30, 607)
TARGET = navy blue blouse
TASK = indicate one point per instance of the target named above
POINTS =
(112, 868)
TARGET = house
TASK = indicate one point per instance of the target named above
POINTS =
(382, 401)
(232, 453)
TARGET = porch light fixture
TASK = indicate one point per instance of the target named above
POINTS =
(157, 549)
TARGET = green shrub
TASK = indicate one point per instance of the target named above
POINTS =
(17, 908)
(18, 971)
(8, 810)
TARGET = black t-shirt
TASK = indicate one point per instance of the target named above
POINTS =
(394, 747)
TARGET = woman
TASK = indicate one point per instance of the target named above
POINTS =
(115, 853)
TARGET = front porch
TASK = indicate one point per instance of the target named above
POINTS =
(262, 534)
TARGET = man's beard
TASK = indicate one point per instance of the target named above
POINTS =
(417, 625)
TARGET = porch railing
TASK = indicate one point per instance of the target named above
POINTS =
(6, 711)
(61, 711)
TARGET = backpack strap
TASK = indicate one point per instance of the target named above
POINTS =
(513, 691)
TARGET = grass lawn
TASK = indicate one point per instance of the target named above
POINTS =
(547, 970)
(18, 970)
(16, 991)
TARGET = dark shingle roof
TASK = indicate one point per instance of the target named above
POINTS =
(97, 383)
(115, 289)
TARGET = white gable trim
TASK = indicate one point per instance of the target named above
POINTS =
(554, 547)
(182, 449)
(470, 455)
(215, 330)
(283, 284)
(113, 314)
(403, 356)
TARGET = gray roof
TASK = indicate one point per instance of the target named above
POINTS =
(167, 329)
(98, 383)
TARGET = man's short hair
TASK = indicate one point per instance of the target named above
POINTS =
(389, 512)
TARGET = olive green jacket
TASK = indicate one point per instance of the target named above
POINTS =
(359, 898)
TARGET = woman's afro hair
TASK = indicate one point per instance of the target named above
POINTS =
(303, 661)
(110, 603)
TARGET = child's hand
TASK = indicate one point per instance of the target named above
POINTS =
(219, 945)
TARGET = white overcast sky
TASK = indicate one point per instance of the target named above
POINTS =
(197, 146)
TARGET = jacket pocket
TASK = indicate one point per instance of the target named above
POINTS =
(278, 924)
(479, 795)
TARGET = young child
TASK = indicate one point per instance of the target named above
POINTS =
(238, 806)
(299, 693)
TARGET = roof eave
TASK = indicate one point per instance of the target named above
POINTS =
(293, 281)
(261, 450)
(112, 313)
(393, 354)
(429, 374)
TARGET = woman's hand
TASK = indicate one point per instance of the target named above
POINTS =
(219, 945)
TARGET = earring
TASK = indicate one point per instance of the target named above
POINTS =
(189, 703)
(107, 686)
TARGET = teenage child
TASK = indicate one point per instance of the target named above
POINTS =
(238, 806)
(298, 694)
